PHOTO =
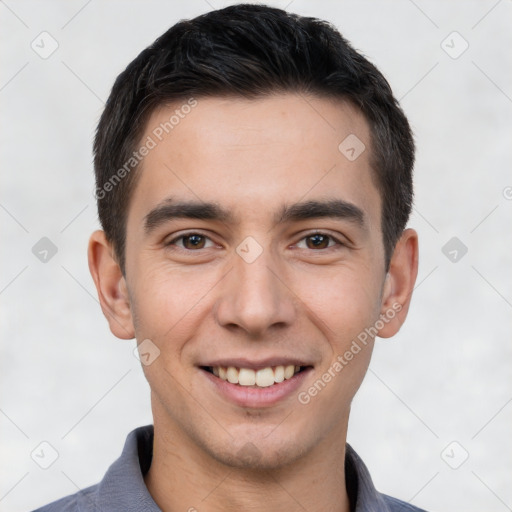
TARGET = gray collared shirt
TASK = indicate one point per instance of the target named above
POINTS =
(123, 489)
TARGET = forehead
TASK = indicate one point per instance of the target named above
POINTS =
(255, 155)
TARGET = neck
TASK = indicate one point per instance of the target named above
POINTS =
(185, 477)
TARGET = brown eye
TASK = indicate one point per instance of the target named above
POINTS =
(317, 241)
(191, 242)
(194, 241)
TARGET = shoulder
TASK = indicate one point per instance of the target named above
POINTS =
(396, 505)
(122, 488)
(82, 501)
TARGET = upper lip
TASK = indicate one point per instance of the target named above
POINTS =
(256, 364)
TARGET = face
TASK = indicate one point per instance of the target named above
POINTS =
(254, 260)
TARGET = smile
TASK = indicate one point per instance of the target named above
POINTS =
(261, 378)
(258, 383)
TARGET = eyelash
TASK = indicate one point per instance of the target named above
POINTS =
(191, 233)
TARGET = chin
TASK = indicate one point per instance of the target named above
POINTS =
(261, 454)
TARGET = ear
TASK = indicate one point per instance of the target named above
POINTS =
(111, 286)
(399, 284)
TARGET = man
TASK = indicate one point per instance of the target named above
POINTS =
(254, 181)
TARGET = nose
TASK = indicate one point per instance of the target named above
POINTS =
(255, 297)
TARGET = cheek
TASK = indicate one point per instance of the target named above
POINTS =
(168, 303)
(343, 301)
(342, 307)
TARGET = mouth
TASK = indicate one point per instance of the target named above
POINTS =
(250, 383)
(256, 377)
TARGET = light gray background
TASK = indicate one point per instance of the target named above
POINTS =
(445, 377)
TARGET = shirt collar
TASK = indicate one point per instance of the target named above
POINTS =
(361, 492)
(123, 487)
(123, 484)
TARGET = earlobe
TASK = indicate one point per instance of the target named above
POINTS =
(399, 284)
(111, 286)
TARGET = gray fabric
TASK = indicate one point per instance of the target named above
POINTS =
(123, 490)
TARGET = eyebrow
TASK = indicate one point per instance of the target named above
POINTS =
(332, 208)
(171, 209)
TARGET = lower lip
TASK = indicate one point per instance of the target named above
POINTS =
(245, 396)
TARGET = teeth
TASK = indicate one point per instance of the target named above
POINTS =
(289, 371)
(246, 377)
(279, 374)
(232, 375)
(262, 378)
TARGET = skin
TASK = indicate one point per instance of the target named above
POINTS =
(252, 157)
